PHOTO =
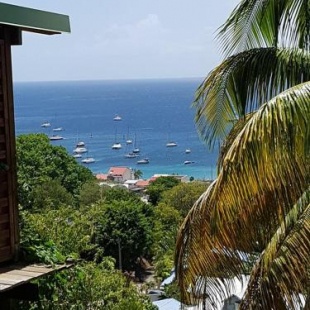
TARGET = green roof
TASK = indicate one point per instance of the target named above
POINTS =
(33, 20)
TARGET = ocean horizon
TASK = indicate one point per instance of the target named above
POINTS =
(153, 112)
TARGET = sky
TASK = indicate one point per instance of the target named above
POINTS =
(123, 39)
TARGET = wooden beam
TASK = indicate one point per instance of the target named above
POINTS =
(17, 275)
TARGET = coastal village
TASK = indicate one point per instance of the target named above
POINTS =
(125, 177)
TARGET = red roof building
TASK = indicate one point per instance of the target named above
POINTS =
(120, 174)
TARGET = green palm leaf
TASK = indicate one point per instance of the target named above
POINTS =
(264, 172)
(283, 267)
(241, 83)
(266, 23)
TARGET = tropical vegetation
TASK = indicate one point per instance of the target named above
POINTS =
(106, 232)
(257, 103)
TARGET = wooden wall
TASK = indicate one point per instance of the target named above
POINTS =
(8, 199)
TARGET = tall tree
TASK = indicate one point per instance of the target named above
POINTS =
(258, 101)
(39, 162)
(156, 188)
(124, 231)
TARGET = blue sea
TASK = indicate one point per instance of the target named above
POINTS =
(153, 112)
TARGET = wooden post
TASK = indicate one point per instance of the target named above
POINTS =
(8, 180)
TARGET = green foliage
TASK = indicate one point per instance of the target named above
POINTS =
(51, 194)
(39, 162)
(173, 291)
(137, 173)
(88, 286)
(35, 247)
(90, 193)
(184, 195)
(128, 226)
(166, 224)
(159, 186)
(70, 229)
(117, 194)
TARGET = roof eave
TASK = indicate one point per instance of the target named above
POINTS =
(32, 20)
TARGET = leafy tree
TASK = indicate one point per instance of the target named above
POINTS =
(260, 199)
(118, 194)
(166, 224)
(88, 286)
(159, 186)
(182, 196)
(38, 162)
(70, 229)
(125, 226)
(51, 194)
(90, 193)
(35, 247)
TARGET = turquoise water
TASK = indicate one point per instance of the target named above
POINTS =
(153, 112)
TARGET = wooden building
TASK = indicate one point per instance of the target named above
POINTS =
(13, 21)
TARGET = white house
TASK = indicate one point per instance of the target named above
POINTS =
(120, 174)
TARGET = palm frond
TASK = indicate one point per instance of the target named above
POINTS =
(266, 23)
(252, 24)
(295, 24)
(283, 266)
(242, 83)
(236, 129)
(264, 172)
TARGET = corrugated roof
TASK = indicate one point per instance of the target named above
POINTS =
(33, 20)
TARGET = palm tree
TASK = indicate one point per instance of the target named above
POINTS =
(137, 173)
(258, 101)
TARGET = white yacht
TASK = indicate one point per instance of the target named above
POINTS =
(88, 160)
(116, 146)
(80, 144)
(46, 124)
(79, 150)
(117, 118)
(187, 151)
(171, 144)
(143, 161)
(55, 137)
(58, 129)
(131, 155)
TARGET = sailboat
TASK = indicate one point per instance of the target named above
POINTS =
(88, 160)
(46, 124)
(171, 143)
(136, 150)
(143, 161)
(56, 137)
(58, 129)
(116, 145)
(80, 148)
(117, 118)
(131, 155)
(128, 140)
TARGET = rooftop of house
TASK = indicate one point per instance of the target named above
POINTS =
(118, 171)
(142, 183)
(101, 176)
